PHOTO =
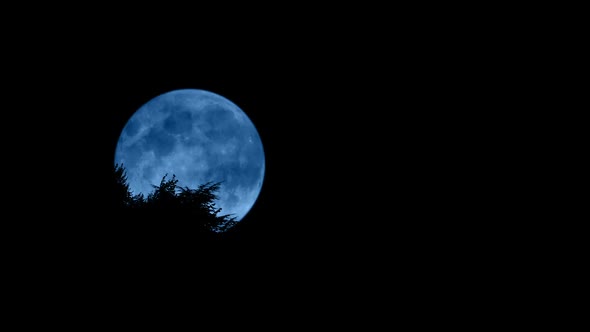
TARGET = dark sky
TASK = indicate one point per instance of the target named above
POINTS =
(296, 114)
(310, 110)
(379, 128)
(333, 132)
(360, 134)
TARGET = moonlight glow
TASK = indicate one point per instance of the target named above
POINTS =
(200, 137)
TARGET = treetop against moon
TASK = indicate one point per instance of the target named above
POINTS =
(199, 137)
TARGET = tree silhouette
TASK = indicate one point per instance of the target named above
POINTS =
(121, 195)
(168, 200)
(164, 195)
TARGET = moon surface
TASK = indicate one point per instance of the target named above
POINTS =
(200, 137)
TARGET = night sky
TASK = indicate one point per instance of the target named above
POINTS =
(389, 165)
(318, 168)
(360, 148)
(289, 117)
(332, 139)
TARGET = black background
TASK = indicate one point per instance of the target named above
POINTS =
(385, 135)
(362, 132)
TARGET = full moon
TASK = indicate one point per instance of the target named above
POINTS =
(199, 137)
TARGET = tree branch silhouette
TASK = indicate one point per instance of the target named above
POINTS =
(195, 205)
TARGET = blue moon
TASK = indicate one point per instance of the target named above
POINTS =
(198, 136)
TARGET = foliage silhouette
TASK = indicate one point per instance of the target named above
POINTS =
(168, 200)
